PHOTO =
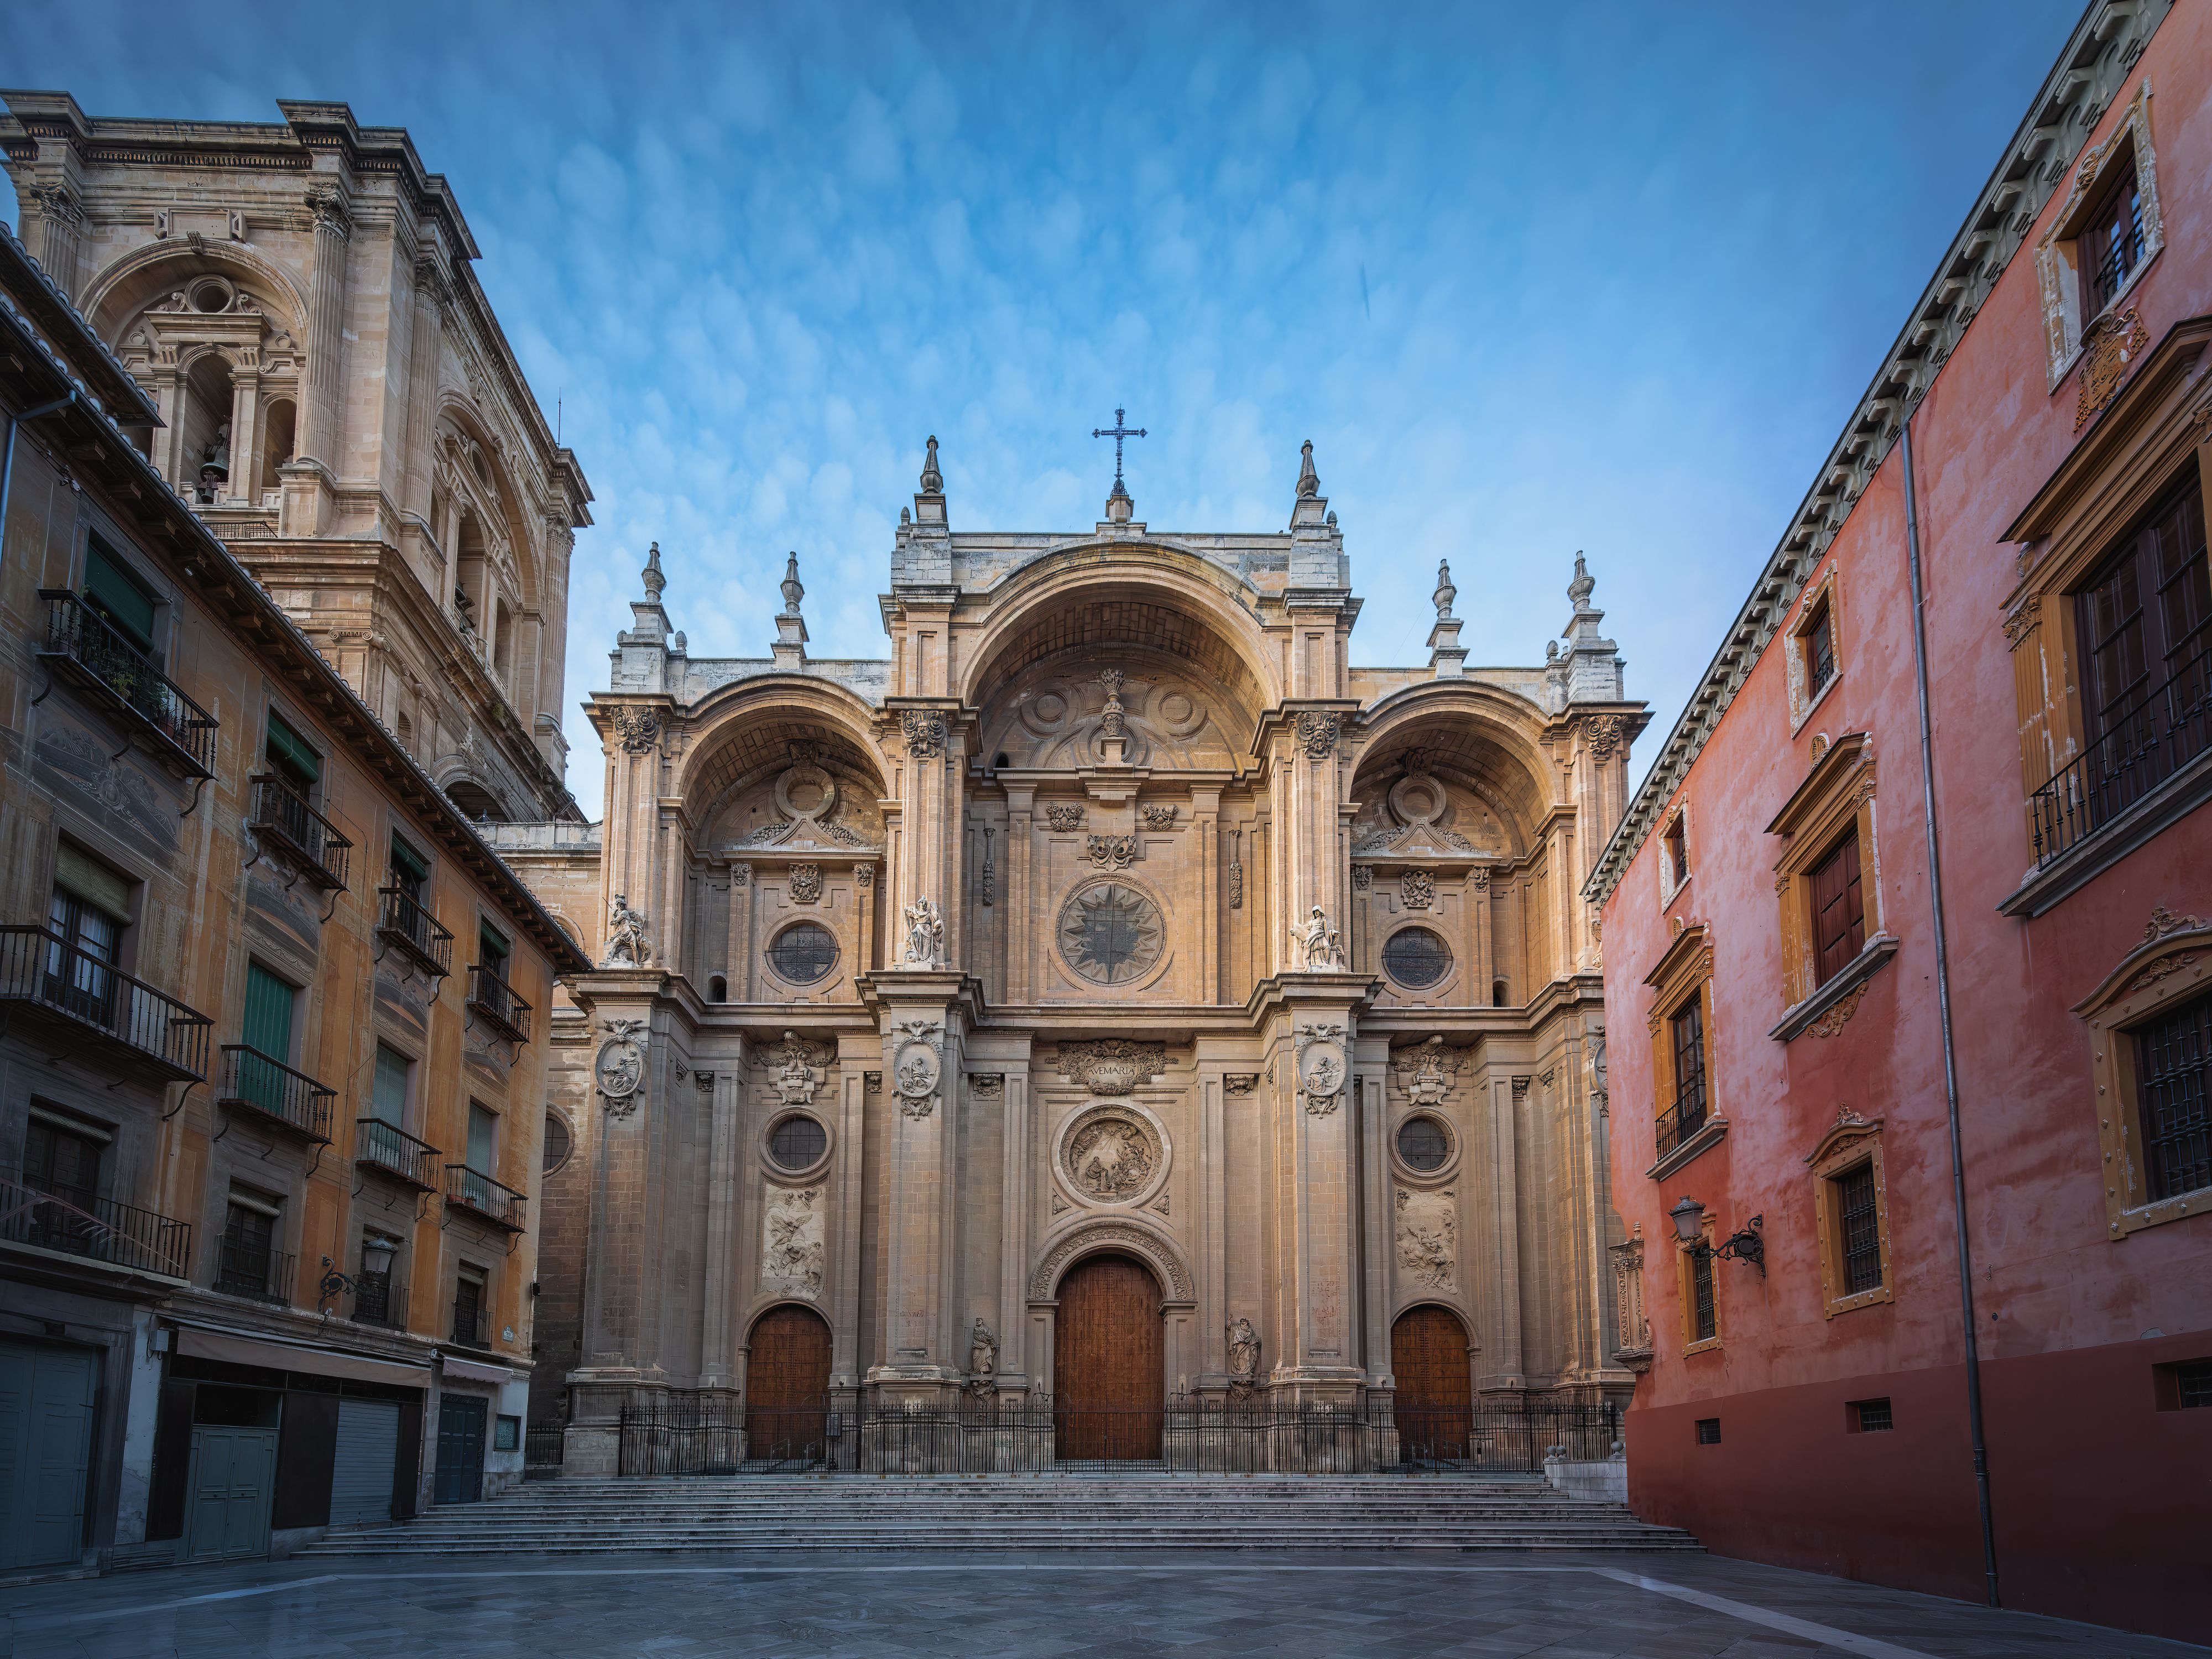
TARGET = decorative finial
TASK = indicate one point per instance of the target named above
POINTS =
(1332, 518)
(932, 480)
(655, 581)
(1120, 430)
(906, 515)
(1580, 588)
(1445, 593)
(1551, 651)
(1308, 481)
(793, 592)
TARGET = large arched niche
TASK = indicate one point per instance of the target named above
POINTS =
(148, 276)
(469, 463)
(1479, 744)
(750, 741)
(1196, 667)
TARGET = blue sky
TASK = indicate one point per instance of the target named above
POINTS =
(1604, 276)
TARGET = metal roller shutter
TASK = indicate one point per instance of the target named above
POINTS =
(362, 1477)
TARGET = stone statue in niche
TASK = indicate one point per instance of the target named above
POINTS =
(626, 942)
(1319, 946)
(924, 934)
(982, 1360)
(1244, 1358)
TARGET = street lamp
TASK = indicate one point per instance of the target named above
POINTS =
(376, 1253)
(1745, 1245)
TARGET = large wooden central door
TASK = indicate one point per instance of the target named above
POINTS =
(1108, 1354)
(787, 1384)
(1435, 1407)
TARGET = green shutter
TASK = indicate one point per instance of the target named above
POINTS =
(112, 592)
(292, 754)
(491, 949)
(481, 1125)
(408, 862)
(391, 1103)
(267, 1013)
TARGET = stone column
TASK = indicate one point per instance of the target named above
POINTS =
(1205, 838)
(1501, 1203)
(1021, 809)
(426, 348)
(242, 485)
(856, 1058)
(922, 1022)
(55, 235)
(1315, 1155)
(1212, 1241)
(1017, 1208)
(1378, 1211)
(718, 1359)
(310, 481)
(739, 945)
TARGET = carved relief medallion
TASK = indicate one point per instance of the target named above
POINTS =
(1112, 1155)
(1428, 1236)
(620, 1068)
(806, 883)
(792, 1234)
(1321, 1067)
(1110, 933)
(916, 1068)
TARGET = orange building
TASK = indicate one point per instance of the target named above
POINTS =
(1913, 1152)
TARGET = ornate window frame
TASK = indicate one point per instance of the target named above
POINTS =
(2144, 440)
(1684, 974)
(1672, 879)
(1851, 1143)
(2172, 963)
(1454, 1144)
(782, 1173)
(1827, 592)
(1837, 795)
(2057, 261)
(809, 917)
(1437, 991)
(1686, 1268)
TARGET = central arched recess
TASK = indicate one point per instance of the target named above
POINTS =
(1434, 1404)
(788, 1385)
(1108, 1359)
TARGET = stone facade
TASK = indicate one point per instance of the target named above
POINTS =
(1115, 911)
(339, 403)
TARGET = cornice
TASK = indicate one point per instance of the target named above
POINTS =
(2099, 57)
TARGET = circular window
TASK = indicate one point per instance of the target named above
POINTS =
(558, 1143)
(1111, 934)
(211, 294)
(803, 953)
(1423, 1144)
(1416, 957)
(798, 1143)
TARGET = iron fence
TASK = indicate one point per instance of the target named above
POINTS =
(543, 1449)
(695, 1435)
(2168, 730)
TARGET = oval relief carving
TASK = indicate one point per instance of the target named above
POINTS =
(1113, 1153)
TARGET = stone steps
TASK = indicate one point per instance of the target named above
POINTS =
(801, 1514)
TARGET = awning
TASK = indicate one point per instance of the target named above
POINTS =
(470, 1371)
(286, 1356)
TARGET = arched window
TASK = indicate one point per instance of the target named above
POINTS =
(203, 461)
(279, 428)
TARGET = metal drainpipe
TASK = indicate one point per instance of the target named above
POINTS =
(1950, 1052)
(8, 449)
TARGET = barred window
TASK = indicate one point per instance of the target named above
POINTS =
(1820, 637)
(803, 953)
(1422, 1144)
(1416, 957)
(1704, 1318)
(2172, 1056)
(1689, 1029)
(1862, 1229)
(797, 1143)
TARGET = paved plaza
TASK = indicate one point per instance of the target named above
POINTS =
(1100, 1608)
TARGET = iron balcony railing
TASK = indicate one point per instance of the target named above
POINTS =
(40, 967)
(474, 1191)
(471, 1325)
(390, 1150)
(492, 999)
(1683, 1119)
(380, 1299)
(250, 1269)
(406, 924)
(34, 1210)
(2165, 733)
(280, 813)
(84, 648)
(290, 1099)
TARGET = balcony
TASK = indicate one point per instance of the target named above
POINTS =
(1683, 1119)
(252, 1270)
(281, 814)
(286, 1099)
(1685, 1131)
(2150, 747)
(415, 931)
(79, 997)
(380, 1299)
(79, 1224)
(492, 999)
(84, 649)
(477, 1193)
(390, 1151)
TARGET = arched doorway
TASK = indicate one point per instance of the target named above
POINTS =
(1108, 1356)
(1435, 1406)
(788, 1385)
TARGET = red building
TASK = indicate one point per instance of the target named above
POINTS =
(1930, 1109)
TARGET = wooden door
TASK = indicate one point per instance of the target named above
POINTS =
(787, 1384)
(1429, 1357)
(233, 1482)
(1108, 1351)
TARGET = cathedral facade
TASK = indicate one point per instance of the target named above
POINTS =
(1114, 995)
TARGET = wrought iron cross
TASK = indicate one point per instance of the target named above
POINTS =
(1117, 432)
